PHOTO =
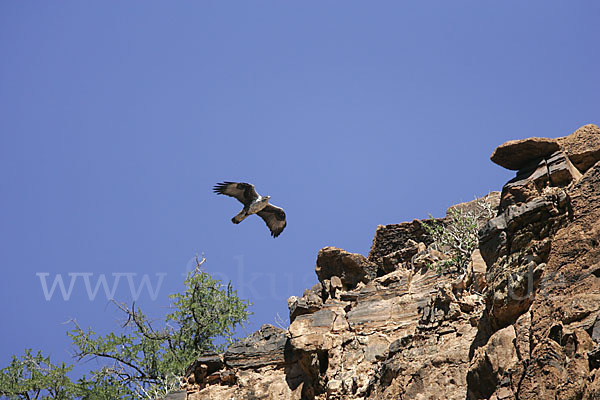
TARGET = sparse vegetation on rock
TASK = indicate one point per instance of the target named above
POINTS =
(456, 235)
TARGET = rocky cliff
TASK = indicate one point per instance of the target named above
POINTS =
(523, 322)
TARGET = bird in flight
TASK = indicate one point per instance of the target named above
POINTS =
(253, 204)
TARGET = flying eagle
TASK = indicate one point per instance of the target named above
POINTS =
(253, 204)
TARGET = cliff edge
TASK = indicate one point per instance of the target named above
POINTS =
(522, 322)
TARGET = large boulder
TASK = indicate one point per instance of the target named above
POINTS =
(309, 303)
(492, 363)
(264, 347)
(516, 154)
(351, 268)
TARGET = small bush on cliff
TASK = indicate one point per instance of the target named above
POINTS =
(457, 236)
(142, 361)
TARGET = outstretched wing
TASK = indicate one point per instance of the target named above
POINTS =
(244, 192)
(274, 217)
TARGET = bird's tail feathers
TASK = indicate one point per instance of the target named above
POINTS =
(239, 218)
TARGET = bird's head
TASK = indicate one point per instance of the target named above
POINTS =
(266, 198)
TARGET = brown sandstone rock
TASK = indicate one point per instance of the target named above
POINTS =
(267, 346)
(561, 171)
(494, 365)
(397, 237)
(516, 154)
(204, 365)
(478, 270)
(543, 257)
(569, 297)
(351, 268)
(582, 146)
(431, 362)
(261, 366)
(310, 302)
(412, 333)
(553, 171)
(592, 390)
(268, 384)
(320, 330)
(392, 261)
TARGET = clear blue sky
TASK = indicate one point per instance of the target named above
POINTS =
(116, 119)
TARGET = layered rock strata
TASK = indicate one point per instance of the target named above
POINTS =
(539, 337)
(523, 323)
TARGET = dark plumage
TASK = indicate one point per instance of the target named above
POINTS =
(253, 203)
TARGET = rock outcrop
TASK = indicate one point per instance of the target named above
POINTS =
(351, 269)
(523, 322)
(261, 366)
(516, 154)
(536, 337)
(582, 146)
